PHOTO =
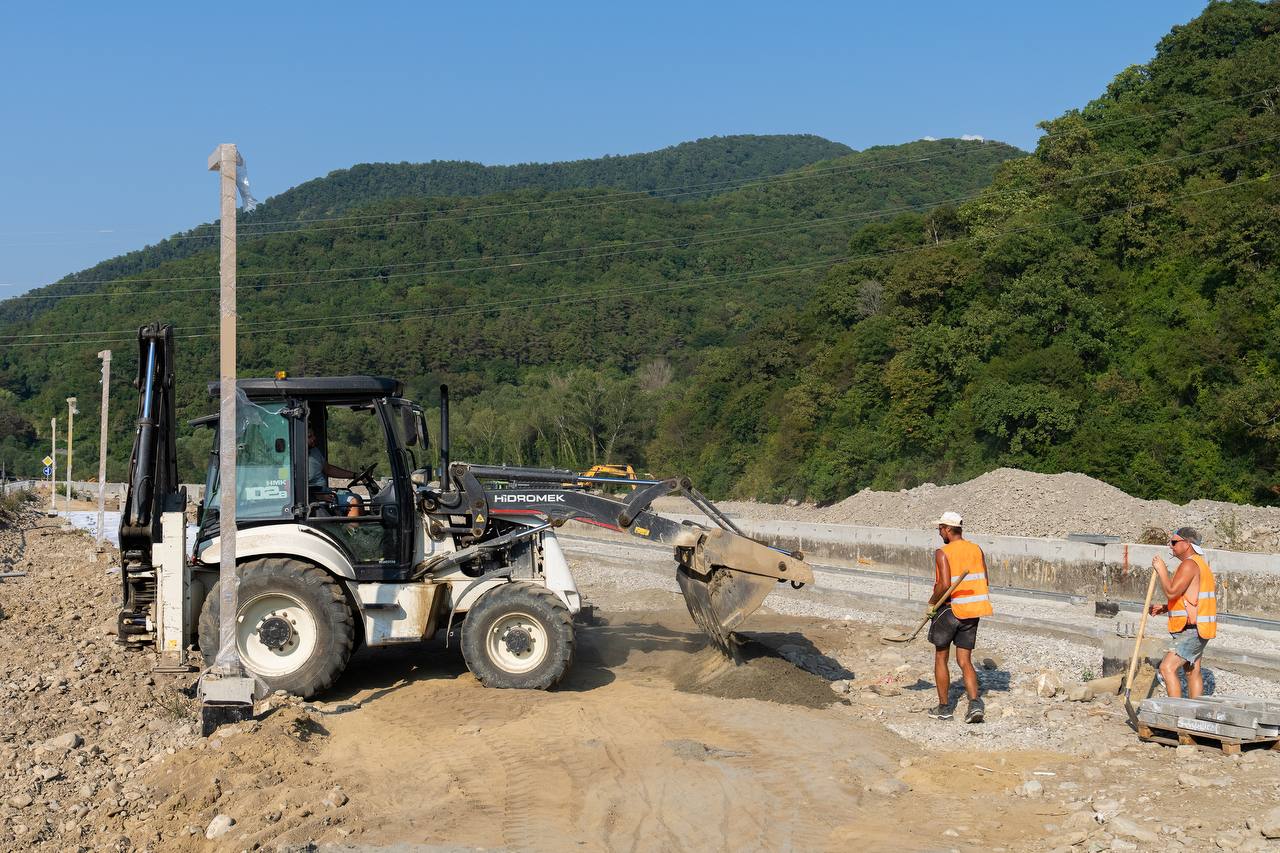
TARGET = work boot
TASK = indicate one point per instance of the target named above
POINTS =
(976, 712)
(941, 712)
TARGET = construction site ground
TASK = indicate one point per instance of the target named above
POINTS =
(654, 742)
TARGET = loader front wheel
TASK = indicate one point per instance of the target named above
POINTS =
(294, 629)
(518, 635)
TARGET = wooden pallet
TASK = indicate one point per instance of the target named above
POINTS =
(1181, 737)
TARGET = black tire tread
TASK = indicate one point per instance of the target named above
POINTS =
(559, 625)
(336, 614)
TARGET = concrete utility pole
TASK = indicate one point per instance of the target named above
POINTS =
(72, 411)
(105, 355)
(53, 470)
(228, 696)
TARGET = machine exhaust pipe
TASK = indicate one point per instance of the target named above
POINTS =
(446, 482)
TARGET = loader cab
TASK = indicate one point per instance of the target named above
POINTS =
(289, 430)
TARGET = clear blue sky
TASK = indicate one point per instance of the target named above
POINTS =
(110, 110)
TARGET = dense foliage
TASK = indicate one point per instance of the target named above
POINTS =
(1111, 306)
(682, 172)
(562, 319)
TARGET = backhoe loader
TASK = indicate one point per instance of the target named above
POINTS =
(391, 559)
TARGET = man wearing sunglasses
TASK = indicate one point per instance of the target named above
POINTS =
(1192, 609)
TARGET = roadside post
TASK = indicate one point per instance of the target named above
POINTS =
(51, 463)
(105, 355)
(226, 691)
(72, 411)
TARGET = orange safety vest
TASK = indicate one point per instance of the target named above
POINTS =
(1200, 603)
(971, 598)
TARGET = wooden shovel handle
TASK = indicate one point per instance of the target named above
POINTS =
(1137, 643)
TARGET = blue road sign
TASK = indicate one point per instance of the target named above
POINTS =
(47, 470)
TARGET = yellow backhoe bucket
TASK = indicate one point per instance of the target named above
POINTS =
(725, 577)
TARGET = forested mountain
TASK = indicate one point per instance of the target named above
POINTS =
(1109, 306)
(683, 172)
(563, 318)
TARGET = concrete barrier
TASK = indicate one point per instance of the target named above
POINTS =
(1248, 583)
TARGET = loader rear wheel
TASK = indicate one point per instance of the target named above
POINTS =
(518, 635)
(294, 630)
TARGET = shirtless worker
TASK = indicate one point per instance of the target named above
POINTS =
(955, 617)
(1192, 609)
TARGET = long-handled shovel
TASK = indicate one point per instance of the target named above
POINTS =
(925, 620)
(1137, 649)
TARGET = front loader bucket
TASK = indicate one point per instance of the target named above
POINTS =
(725, 577)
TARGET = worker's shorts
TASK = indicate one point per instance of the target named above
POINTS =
(1188, 644)
(947, 630)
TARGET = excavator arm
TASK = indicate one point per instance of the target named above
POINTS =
(723, 574)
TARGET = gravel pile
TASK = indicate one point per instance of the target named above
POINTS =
(1021, 503)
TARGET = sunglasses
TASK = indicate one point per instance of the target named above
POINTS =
(1173, 542)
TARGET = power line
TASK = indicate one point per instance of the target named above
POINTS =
(473, 308)
(699, 187)
(553, 206)
(617, 249)
(603, 197)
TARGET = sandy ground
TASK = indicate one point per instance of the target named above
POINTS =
(641, 748)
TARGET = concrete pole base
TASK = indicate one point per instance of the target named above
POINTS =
(224, 701)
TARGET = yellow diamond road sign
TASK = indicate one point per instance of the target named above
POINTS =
(48, 460)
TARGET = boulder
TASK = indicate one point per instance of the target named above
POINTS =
(219, 826)
(1129, 829)
(1048, 684)
(1268, 824)
(63, 743)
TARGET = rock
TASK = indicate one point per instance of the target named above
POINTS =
(335, 799)
(1185, 749)
(890, 787)
(63, 743)
(219, 826)
(840, 686)
(1078, 693)
(47, 774)
(950, 833)
(1121, 844)
(1058, 715)
(20, 801)
(1268, 824)
(1228, 840)
(1031, 788)
(1190, 780)
(1071, 839)
(886, 689)
(1130, 829)
(1048, 684)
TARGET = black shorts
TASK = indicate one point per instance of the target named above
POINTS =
(947, 630)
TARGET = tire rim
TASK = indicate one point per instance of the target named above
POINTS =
(296, 651)
(510, 630)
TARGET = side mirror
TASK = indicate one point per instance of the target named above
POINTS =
(421, 477)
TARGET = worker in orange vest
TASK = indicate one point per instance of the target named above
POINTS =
(1192, 608)
(955, 616)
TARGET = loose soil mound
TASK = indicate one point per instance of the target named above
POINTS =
(761, 675)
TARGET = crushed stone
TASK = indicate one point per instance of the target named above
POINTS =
(1011, 502)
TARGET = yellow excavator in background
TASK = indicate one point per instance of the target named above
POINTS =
(601, 472)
